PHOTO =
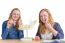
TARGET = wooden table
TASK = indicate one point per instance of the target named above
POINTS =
(19, 41)
(28, 41)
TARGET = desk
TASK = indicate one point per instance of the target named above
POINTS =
(18, 41)
(32, 41)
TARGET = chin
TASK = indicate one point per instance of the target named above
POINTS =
(15, 19)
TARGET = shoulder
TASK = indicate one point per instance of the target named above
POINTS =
(56, 24)
(5, 22)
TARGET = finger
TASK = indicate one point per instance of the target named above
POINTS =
(11, 21)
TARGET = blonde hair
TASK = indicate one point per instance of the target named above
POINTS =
(42, 28)
(10, 16)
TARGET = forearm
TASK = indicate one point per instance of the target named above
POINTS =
(54, 32)
(5, 33)
(21, 34)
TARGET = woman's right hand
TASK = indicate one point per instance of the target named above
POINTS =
(9, 23)
(37, 38)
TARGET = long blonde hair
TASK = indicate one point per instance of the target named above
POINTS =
(42, 28)
(10, 16)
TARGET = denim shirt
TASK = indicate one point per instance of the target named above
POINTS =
(11, 33)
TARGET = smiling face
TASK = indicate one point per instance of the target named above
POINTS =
(44, 16)
(15, 15)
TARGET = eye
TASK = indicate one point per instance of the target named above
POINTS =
(18, 14)
(14, 13)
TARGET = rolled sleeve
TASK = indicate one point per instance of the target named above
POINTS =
(5, 30)
(60, 34)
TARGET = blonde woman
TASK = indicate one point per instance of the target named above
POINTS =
(48, 29)
(10, 26)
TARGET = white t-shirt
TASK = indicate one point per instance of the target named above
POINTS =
(47, 36)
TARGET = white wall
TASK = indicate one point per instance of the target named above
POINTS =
(30, 11)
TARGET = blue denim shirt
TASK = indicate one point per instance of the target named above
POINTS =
(11, 33)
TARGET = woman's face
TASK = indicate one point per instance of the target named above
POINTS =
(44, 16)
(15, 15)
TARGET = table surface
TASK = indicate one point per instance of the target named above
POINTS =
(32, 41)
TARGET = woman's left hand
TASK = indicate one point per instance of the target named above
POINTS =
(51, 29)
(48, 26)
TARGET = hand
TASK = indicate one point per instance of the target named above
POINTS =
(20, 22)
(48, 26)
(9, 23)
(37, 38)
(51, 29)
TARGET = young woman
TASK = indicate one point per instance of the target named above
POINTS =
(48, 29)
(10, 26)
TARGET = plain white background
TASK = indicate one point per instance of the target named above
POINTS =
(30, 11)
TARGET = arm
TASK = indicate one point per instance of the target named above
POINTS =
(21, 34)
(60, 34)
(4, 30)
(38, 34)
